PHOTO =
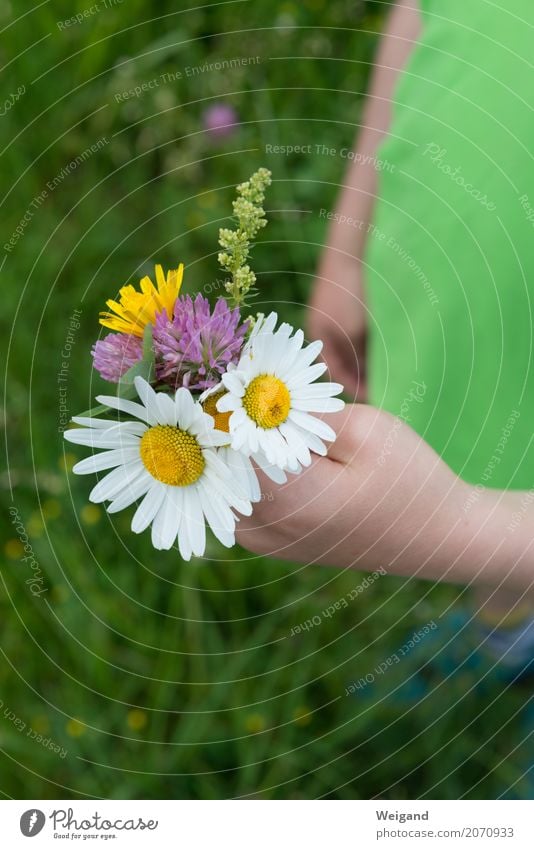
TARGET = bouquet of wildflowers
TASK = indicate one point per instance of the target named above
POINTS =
(202, 397)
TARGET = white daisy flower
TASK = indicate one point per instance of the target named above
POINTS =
(237, 460)
(168, 457)
(270, 395)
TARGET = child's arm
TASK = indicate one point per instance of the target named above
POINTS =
(337, 314)
(383, 497)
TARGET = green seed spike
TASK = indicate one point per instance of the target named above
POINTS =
(236, 244)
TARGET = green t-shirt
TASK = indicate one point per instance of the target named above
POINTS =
(450, 258)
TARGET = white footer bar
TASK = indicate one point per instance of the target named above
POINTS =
(258, 824)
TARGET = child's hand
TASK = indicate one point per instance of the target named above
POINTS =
(382, 497)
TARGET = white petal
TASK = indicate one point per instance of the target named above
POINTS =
(202, 423)
(243, 435)
(302, 378)
(265, 354)
(212, 391)
(221, 521)
(148, 397)
(105, 460)
(318, 405)
(214, 438)
(313, 442)
(243, 472)
(283, 332)
(239, 417)
(296, 442)
(233, 384)
(109, 486)
(228, 491)
(129, 428)
(317, 390)
(101, 438)
(132, 408)
(88, 421)
(194, 520)
(276, 448)
(308, 354)
(316, 426)
(167, 521)
(131, 493)
(293, 465)
(185, 406)
(263, 325)
(215, 462)
(266, 325)
(273, 472)
(184, 543)
(148, 508)
(228, 403)
(253, 438)
(168, 414)
(289, 354)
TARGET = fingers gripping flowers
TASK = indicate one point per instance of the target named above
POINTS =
(211, 404)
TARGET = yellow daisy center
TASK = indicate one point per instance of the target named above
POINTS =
(222, 420)
(267, 401)
(171, 455)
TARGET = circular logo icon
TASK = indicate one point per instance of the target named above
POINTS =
(31, 822)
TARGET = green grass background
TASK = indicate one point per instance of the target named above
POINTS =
(163, 679)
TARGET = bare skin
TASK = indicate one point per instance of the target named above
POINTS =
(337, 312)
(363, 507)
(402, 510)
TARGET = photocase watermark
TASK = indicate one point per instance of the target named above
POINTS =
(415, 395)
(32, 822)
(338, 605)
(214, 286)
(37, 202)
(10, 101)
(62, 377)
(527, 207)
(80, 17)
(30, 732)
(66, 820)
(437, 156)
(390, 242)
(187, 72)
(392, 660)
(527, 500)
(487, 474)
(35, 581)
(324, 150)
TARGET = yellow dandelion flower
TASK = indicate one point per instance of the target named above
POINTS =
(67, 461)
(254, 723)
(137, 309)
(51, 508)
(14, 549)
(60, 593)
(90, 514)
(136, 719)
(207, 201)
(302, 716)
(75, 728)
(35, 525)
(41, 724)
